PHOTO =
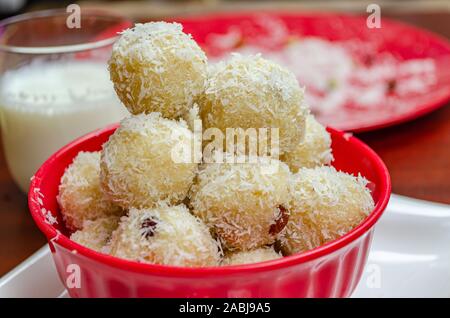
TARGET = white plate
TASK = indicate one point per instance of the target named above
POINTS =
(410, 257)
(34, 277)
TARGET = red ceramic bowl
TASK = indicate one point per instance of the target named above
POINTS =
(331, 270)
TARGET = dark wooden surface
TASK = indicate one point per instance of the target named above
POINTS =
(417, 155)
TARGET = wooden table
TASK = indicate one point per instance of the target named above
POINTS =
(417, 155)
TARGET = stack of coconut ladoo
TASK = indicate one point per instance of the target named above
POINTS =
(140, 199)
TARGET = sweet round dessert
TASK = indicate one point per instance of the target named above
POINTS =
(140, 165)
(326, 204)
(314, 150)
(80, 196)
(251, 92)
(155, 67)
(244, 204)
(96, 234)
(167, 235)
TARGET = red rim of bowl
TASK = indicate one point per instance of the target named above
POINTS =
(54, 236)
(416, 113)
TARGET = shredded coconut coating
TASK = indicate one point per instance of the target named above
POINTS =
(192, 116)
(240, 202)
(251, 92)
(249, 257)
(80, 195)
(96, 234)
(140, 164)
(165, 235)
(313, 151)
(155, 67)
(326, 204)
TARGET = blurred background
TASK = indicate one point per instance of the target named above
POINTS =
(407, 10)
(417, 153)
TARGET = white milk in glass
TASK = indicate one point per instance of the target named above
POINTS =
(45, 105)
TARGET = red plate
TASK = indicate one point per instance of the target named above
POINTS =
(384, 100)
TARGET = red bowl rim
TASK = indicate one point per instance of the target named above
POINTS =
(54, 236)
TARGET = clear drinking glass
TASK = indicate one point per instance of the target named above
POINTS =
(54, 83)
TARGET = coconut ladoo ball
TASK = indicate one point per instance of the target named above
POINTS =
(249, 257)
(96, 234)
(243, 203)
(314, 150)
(251, 92)
(80, 195)
(147, 160)
(167, 235)
(155, 67)
(326, 204)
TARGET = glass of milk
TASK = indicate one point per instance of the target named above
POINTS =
(54, 83)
